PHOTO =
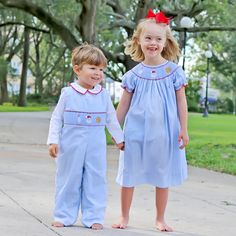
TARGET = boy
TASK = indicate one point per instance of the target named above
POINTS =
(77, 139)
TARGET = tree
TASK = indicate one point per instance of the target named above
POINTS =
(3, 74)
(225, 61)
(222, 44)
(44, 59)
(108, 23)
(10, 44)
(121, 15)
(23, 80)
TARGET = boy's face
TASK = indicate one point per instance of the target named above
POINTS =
(89, 75)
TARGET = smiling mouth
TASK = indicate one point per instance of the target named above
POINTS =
(152, 49)
(95, 79)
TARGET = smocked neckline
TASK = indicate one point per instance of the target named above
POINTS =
(154, 66)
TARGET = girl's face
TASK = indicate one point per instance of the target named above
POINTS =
(152, 40)
(89, 75)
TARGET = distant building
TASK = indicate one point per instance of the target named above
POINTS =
(14, 77)
(114, 89)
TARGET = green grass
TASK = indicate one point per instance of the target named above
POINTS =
(8, 107)
(215, 129)
(212, 142)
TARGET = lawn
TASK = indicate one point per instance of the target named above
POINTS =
(212, 142)
(8, 107)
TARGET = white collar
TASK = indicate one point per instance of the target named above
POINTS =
(78, 88)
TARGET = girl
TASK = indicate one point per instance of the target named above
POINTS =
(155, 111)
(77, 138)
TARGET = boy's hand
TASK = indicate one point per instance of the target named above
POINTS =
(121, 146)
(53, 150)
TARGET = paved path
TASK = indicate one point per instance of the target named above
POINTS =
(204, 205)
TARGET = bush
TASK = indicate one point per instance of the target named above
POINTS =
(224, 105)
(34, 98)
(192, 95)
(37, 98)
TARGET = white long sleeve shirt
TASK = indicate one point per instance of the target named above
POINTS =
(84, 98)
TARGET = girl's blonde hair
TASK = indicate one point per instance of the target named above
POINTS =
(88, 54)
(171, 51)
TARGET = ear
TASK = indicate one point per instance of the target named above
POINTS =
(76, 69)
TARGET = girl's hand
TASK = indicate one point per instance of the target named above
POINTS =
(53, 150)
(121, 146)
(183, 139)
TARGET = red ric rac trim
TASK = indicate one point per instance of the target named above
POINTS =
(126, 88)
(182, 86)
(87, 112)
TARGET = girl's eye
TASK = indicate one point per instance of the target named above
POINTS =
(160, 39)
(148, 37)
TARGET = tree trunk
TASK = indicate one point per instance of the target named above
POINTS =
(3, 76)
(3, 81)
(234, 103)
(22, 96)
(3, 84)
(87, 21)
(40, 86)
(129, 63)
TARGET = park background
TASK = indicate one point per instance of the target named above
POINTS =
(36, 39)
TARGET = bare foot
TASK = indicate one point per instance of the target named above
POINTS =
(123, 223)
(96, 226)
(57, 224)
(162, 226)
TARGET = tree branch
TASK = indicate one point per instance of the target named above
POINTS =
(120, 23)
(15, 49)
(205, 29)
(116, 7)
(56, 63)
(115, 15)
(45, 17)
(23, 24)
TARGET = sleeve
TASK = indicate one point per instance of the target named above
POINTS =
(112, 123)
(179, 79)
(56, 121)
(128, 82)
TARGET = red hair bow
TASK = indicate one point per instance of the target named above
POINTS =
(159, 17)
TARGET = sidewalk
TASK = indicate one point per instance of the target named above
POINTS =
(204, 205)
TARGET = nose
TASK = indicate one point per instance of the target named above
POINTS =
(153, 42)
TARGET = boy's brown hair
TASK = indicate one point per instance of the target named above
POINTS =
(88, 54)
